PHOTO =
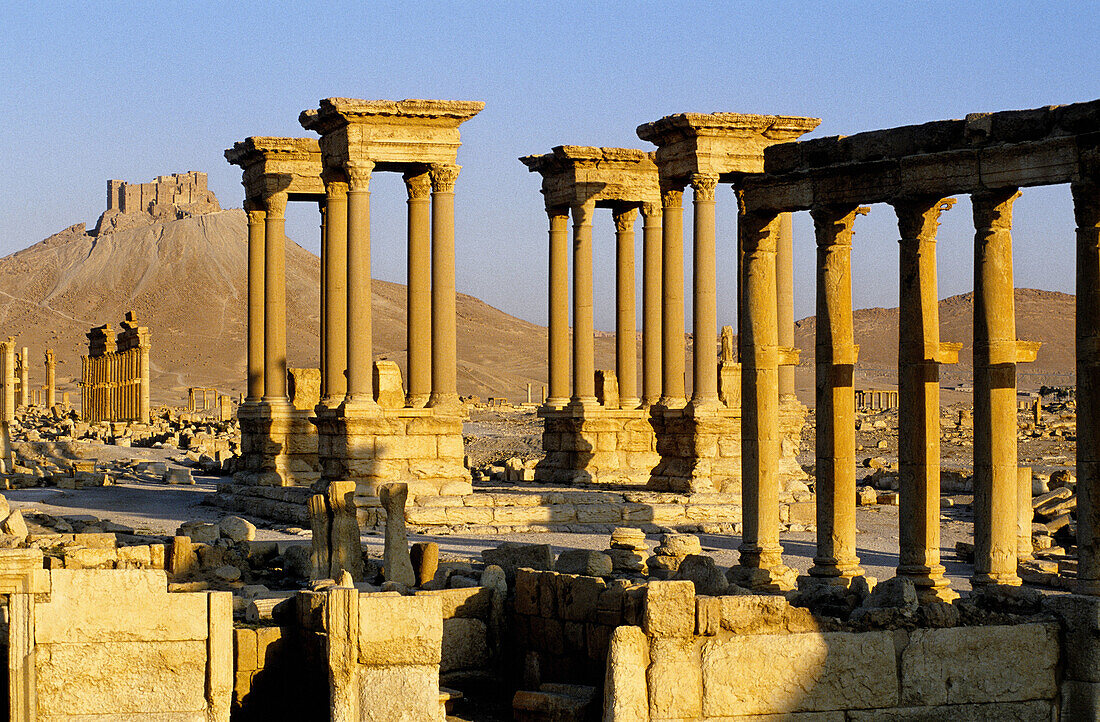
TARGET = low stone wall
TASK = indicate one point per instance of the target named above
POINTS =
(279, 673)
(115, 645)
(756, 658)
(472, 621)
(597, 446)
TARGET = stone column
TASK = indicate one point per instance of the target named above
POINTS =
(704, 393)
(275, 300)
(418, 338)
(444, 319)
(919, 398)
(336, 293)
(558, 311)
(836, 559)
(7, 366)
(995, 355)
(256, 263)
(651, 303)
(1086, 210)
(144, 348)
(761, 562)
(584, 362)
(672, 296)
(626, 337)
(360, 343)
(51, 378)
(784, 287)
(25, 378)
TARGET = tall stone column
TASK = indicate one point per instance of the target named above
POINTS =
(24, 378)
(51, 378)
(322, 209)
(275, 300)
(336, 293)
(836, 558)
(672, 296)
(761, 562)
(584, 360)
(651, 303)
(919, 357)
(1086, 210)
(144, 348)
(995, 356)
(418, 338)
(558, 311)
(7, 366)
(626, 336)
(360, 343)
(444, 319)
(256, 263)
(704, 393)
(784, 288)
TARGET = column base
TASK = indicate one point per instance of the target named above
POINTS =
(1008, 579)
(361, 405)
(445, 402)
(930, 583)
(843, 573)
(630, 404)
(417, 401)
(584, 402)
(671, 402)
(705, 404)
(778, 578)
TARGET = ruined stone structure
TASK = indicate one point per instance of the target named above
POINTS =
(658, 438)
(361, 433)
(22, 380)
(590, 435)
(916, 169)
(167, 198)
(7, 377)
(879, 400)
(114, 376)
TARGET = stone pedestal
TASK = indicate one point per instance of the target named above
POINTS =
(421, 447)
(278, 446)
(700, 449)
(593, 444)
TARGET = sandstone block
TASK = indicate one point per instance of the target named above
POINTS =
(995, 712)
(1081, 617)
(578, 596)
(471, 602)
(399, 630)
(669, 609)
(465, 644)
(980, 664)
(785, 673)
(585, 562)
(764, 614)
(237, 529)
(675, 679)
(511, 556)
(626, 695)
(400, 694)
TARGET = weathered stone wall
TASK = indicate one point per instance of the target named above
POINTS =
(755, 657)
(114, 644)
(279, 673)
(601, 446)
(167, 198)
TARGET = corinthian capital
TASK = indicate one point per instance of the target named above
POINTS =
(704, 186)
(919, 217)
(624, 219)
(358, 172)
(672, 193)
(993, 208)
(276, 205)
(833, 223)
(443, 177)
(418, 184)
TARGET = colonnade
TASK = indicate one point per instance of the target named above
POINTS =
(876, 400)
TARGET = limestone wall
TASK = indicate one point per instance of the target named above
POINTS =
(753, 658)
(165, 199)
(115, 645)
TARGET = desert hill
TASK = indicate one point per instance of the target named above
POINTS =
(186, 280)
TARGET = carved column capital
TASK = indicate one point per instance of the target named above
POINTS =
(624, 219)
(444, 176)
(759, 232)
(833, 223)
(582, 213)
(557, 212)
(276, 205)
(704, 186)
(358, 172)
(418, 184)
(651, 210)
(336, 188)
(672, 193)
(993, 207)
(919, 216)
(255, 215)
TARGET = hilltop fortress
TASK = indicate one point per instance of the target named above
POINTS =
(167, 198)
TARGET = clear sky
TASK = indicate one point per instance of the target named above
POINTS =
(93, 91)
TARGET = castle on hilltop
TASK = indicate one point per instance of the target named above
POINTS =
(167, 198)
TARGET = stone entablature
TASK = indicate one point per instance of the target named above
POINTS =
(274, 165)
(167, 198)
(609, 176)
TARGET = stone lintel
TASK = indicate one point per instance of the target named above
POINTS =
(272, 165)
(1015, 148)
(396, 135)
(720, 144)
(611, 176)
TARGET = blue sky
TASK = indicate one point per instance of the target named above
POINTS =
(134, 90)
